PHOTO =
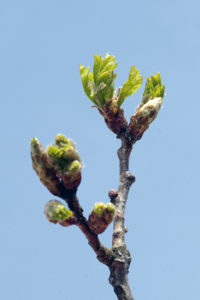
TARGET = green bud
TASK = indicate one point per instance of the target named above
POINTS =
(54, 152)
(99, 208)
(59, 164)
(110, 207)
(55, 211)
(36, 147)
(57, 158)
(61, 141)
(74, 168)
(101, 216)
(109, 212)
(64, 157)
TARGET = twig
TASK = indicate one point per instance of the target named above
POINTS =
(104, 255)
(120, 266)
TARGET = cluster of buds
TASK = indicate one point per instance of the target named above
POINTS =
(101, 216)
(65, 159)
(56, 212)
(99, 87)
(59, 163)
(151, 103)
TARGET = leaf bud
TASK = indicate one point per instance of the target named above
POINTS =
(144, 115)
(56, 212)
(61, 140)
(101, 216)
(113, 195)
(64, 157)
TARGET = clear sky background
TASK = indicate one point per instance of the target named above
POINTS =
(42, 44)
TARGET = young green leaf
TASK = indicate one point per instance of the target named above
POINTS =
(131, 85)
(87, 79)
(153, 88)
(103, 67)
(104, 76)
(99, 85)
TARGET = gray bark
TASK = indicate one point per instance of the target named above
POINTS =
(120, 266)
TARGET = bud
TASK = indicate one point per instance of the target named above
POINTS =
(64, 157)
(144, 115)
(109, 213)
(148, 109)
(74, 168)
(44, 170)
(113, 195)
(101, 216)
(61, 140)
(56, 212)
(110, 208)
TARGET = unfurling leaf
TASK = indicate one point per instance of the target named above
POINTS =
(99, 85)
(131, 85)
(153, 88)
(87, 80)
(103, 74)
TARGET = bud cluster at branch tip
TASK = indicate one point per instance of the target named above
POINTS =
(56, 212)
(101, 216)
(59, 164)
(99, 87)
(151, 103)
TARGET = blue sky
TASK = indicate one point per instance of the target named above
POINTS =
(42, 45)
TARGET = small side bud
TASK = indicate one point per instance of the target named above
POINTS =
(101, 216)
(56, 212)
(113, 195)
(44, 170)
